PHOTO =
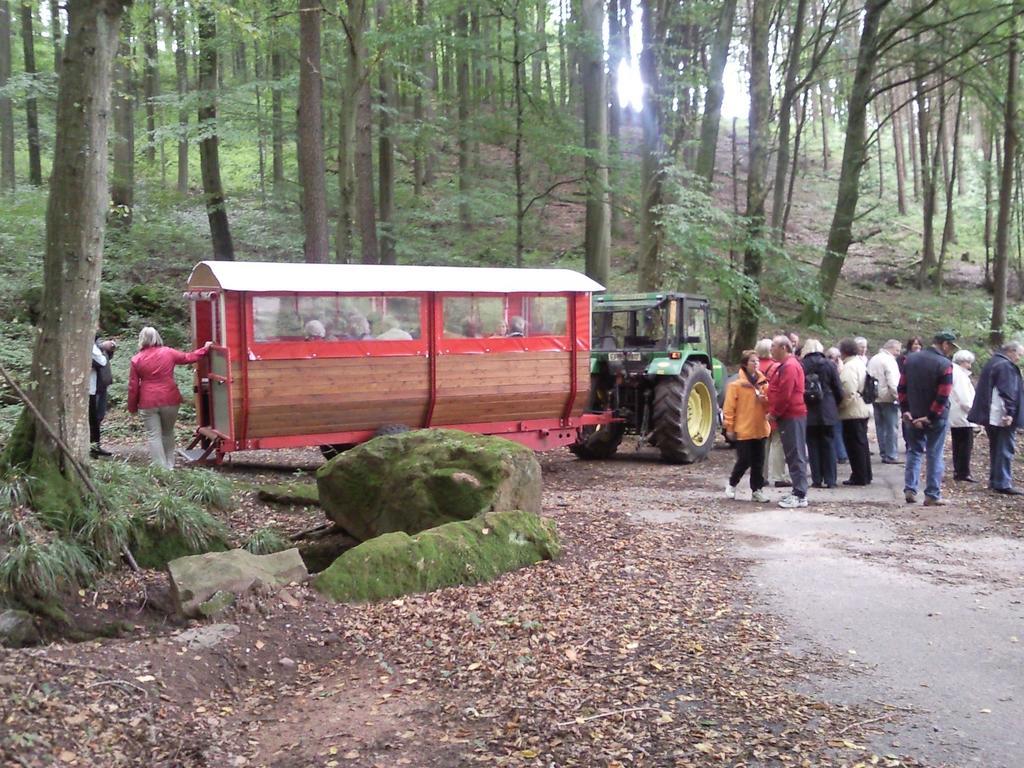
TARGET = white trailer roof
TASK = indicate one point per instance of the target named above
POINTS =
(272, 277)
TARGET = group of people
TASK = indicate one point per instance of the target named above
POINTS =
(794, 412)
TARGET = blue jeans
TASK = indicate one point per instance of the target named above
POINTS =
(1001, 446)
(838, 444)
(887, 424)
(921, 442)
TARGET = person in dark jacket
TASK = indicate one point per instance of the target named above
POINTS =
(924, 390)
(822, 414)
(999, 406)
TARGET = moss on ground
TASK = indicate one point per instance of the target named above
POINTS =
(297, 494)
(463, 552)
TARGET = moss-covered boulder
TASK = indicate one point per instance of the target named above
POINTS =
(418, 480)
(292, 494)
(197, 580)
(463, 552)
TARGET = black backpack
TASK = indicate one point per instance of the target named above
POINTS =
(870, 392)
(814, 393)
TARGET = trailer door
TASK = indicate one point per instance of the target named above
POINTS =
(220, 400)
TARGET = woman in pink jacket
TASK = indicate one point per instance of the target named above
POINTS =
(153, 393)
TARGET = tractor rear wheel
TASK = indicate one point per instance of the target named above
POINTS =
(600, 441)
(685, 416)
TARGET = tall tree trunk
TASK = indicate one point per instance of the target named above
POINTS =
(209, 151)
(310, 130)
(519, 85)
(823, 113)
(423, 107)
(462, 65)
(122, 181)
(276, 107)
(987, 150)
(757, 176)
(181, 77)
(355, 54)
(614, 112)
(386, 149)
(652, 153)
(897, 144)
(536, 62)
(75, 224)
(929, 177)
(597, 233)
(801, 123)
(28, 45)
(151, 80)
(854, 152)
(947, 229)
(912, 132)
(56, 35)
(7, 181)
(715, 93)
(789, 94)
(365, 215)
(259, 70)
(1001, 259)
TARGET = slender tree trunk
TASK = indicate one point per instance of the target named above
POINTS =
(823, 112)
(310, 133)
(354, 58)
(362, 145)
(209, 151)
(151, 81)
(897, 144)
(652, 154)
(462, 65)
(423, 108)
(276, 105)
(56, 35)
(796, 156)
(789, 94)
(1001, 260)
(597, 236)
(716, 92)
(989, 141)
(122, 181)
(181, 76)
(929, 177)
(536, 62)
(614, 112)
(912, 133)
(7, 180)
(75, 225)
(28, 45)
(854, 154)
(947, 229)
(519, 84)
(259, 70)
(757, 176)
(386, 149)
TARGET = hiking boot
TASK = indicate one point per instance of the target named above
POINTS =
(759, 497)
(730, 491)
(910, 496)
(931, 501)
(792, 502)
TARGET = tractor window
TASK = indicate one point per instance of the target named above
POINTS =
(696, 326)
(611, 329)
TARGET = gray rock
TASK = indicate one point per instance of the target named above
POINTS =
(418, 480)
(196, 579)
(17, 629)
(207, 636)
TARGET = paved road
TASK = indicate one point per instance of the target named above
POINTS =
(934, 625)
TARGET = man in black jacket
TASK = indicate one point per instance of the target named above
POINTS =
(998, 405)
(924, 389)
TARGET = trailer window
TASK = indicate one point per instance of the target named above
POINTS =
(472, 317)
(546, 315)
(335, 317)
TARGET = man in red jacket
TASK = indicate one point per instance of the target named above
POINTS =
(788, 413)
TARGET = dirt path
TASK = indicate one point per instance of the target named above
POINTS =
(678, 628)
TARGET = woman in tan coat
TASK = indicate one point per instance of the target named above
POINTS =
(854, 413)
(746, 424)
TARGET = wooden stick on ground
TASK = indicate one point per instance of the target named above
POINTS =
(23, 396)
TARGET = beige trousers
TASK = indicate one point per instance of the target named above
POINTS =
(159, 423)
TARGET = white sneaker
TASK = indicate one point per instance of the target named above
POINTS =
(792, 502)
(730, 491)
(759, 497)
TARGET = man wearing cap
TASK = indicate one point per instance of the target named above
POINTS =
(998, 405)
(923, 393)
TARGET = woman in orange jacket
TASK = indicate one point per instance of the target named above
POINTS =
(746, 424)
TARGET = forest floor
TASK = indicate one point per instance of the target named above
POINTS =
(678, 628)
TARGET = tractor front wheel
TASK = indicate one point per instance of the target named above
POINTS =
(685, 416)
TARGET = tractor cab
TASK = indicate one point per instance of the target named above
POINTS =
(651, 365)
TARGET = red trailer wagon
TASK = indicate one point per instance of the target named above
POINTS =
(332, 354)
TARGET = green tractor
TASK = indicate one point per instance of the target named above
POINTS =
(651, 366)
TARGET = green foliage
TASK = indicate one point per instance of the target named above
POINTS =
(38, 566)
(266, 541)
